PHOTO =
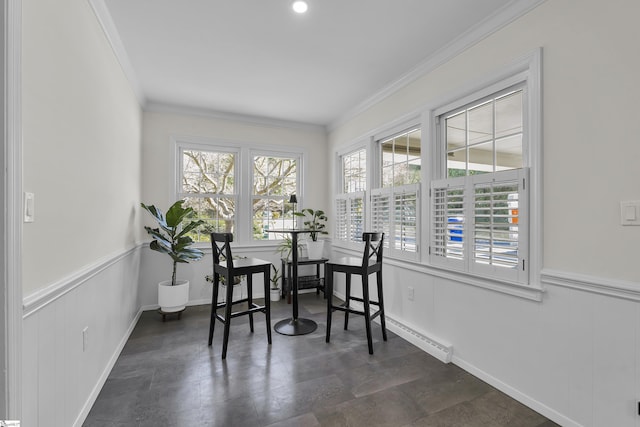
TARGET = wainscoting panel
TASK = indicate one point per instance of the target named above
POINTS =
(73, 332)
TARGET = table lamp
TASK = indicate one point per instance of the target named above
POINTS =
(293, 200)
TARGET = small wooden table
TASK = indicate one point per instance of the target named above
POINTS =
(304, 282)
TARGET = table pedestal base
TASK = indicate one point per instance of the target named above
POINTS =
(295, 326)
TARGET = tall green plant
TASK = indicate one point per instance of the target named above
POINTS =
(171, 236)
(316, 223)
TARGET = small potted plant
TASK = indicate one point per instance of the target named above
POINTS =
(285, 248)
(275, 284)
(315, 220)
(171, 238)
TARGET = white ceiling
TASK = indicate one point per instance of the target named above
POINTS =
(258, 58)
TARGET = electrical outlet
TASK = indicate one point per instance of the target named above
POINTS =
(410, 293)
(85, 338)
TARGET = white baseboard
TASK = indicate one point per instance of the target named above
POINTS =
(82, 416)
(434, 346)
(516, 394)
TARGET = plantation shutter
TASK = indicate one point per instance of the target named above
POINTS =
(342, 219)
(500, 225)
(406, 217)
(350, 216)
(356, 215)
(448, 222)
(395, 212)
(479, 223)
(381, 212)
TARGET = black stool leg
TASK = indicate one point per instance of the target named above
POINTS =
(367, 314)
(227, 315)
(214, 306)
(347, 300)
(267, 302)
(250, 299)
(328, 283)
(381, 303)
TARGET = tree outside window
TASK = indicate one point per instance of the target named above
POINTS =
(274, 180)
(208, 182)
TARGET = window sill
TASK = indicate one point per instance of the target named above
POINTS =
(529, 292)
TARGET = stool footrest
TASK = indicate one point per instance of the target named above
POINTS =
(346, 308)
(254, 309)
(361, 300)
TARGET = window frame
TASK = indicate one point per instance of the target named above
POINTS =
(180, 194)
(243, 167)
(348, 198)
(391, 251)
(259, 152)
(526, 71)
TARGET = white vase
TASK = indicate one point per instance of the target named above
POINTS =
(275, 294)
(173, 298)
(315, 249)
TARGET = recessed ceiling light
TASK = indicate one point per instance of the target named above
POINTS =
(300, 6)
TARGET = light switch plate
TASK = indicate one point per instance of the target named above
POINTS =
(29, 207)
(630, 212)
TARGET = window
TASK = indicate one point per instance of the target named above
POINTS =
(485, 137)
(395, 203)
(350, 210)
(208, 185)
(209, 179)
(274, 180)
(479, 209)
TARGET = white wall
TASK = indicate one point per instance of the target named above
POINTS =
(575, 355)
(159, 127)
(81, 128)
(81, 143)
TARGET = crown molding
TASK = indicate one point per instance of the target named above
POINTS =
(111, 33)
(507, 14)
(160, 107)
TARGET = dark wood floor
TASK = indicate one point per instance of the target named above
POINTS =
(168, 376)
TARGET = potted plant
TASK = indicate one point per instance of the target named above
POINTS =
(171, 238)
(275, 284)
(316, 222)
(285, 248)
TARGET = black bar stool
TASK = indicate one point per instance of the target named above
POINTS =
(225, 266)
(371, 262)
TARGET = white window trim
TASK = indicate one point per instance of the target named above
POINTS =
(253, 152)
(395, 128)
(361, 144)
(526, 70)
(244, 177)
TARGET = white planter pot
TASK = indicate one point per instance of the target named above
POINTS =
(173, 298)
(275, 294)
(315, 249)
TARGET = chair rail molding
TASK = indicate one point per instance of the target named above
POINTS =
(598, 285)
(43, 297)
